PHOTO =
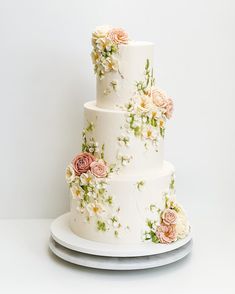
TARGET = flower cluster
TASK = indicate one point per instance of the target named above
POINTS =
(87, 179)
(148, 110)
(90, 145)
(87, 176)
(171, 224)
(85, 168)
(105, 41)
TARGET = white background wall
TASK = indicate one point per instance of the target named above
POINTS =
(46, 76)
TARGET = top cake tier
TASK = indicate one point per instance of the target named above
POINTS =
(125, 81)
(116, 88)
(121, 66)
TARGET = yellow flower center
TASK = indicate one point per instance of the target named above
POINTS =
(95, 209)
(69, 173)
(161, 123)
(96, 57)
(149, 133)
(154, 114)
(88, 180)
(143, 103)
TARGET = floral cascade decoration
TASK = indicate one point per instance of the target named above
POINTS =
(105, 42)
(169, 224)
(148, 110)
(87, 176)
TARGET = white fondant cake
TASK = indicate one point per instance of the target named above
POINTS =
(122, 190)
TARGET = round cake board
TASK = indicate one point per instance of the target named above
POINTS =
(63, 235)
(119, 263)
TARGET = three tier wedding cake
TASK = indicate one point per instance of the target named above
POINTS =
(122, 190)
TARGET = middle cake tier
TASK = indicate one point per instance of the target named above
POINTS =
(115, 133)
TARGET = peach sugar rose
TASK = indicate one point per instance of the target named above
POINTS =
(166, 234)
(169, 216)
(118, 36)
(161, 100)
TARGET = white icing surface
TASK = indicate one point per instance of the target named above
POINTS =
(134, 206)
(107, 129)
(132, 59)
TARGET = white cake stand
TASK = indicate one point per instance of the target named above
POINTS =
(68, 246)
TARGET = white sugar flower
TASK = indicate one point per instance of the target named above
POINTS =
(124, 141)
(101, 183)
(95, 208)
(154, 112)
(124, 159)
(182, 225)
(137, 121)
(92, 192)
(111, 64)
(87, 179)
(147, 236)
(154, 226)
(144, 119)
(129, 106)
(100, 32)
(76, 191)
(149, 133)
(144, 104)
(104, 44)
(70, 174)
(95, 57)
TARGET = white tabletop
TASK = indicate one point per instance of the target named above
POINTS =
(27, 265)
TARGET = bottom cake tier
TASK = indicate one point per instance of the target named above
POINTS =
(129, 209)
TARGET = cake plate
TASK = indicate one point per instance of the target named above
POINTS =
(119, 263)
(68, 246)
(63, 235)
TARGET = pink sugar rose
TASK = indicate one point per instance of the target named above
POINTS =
(169, 217)
(81, 163)
(166, 234)
(118, 36)
(99, 169)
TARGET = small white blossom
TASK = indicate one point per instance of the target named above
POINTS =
(70, 174)
(144, 119)
(100, 32)
(87, 179)
(95, 208)
(145, 104)
(92, 192)
(124, 140)
(124, 159)
(149, 133)
(76, 191)
(110, 64)
(137, 122)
